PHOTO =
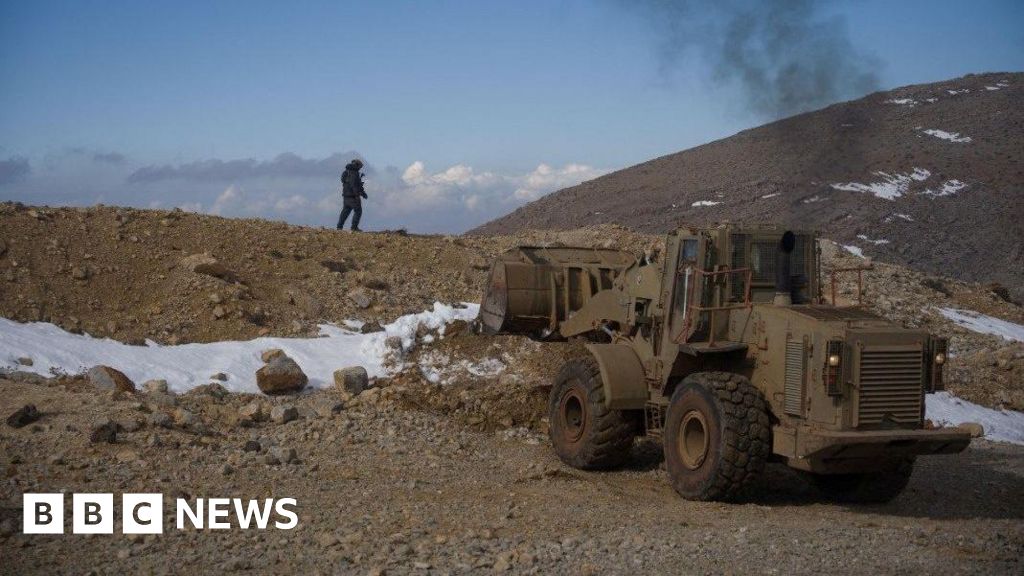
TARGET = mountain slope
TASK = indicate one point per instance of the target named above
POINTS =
(929, 176)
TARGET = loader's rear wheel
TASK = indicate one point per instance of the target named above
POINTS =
(876, 487)
(584, 432)
(716, 435)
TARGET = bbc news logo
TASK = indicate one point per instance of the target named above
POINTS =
(144, 513)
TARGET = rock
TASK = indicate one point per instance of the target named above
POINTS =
(360, 298)
(371, 327)
(269, 355)
(23, 416)
(159, 419)
(251, 446)
(184, 418)
(155, 386)
(105, 432)
(220, 376)
(219, 312)
(191, 262)
(107, 378)
(227, 470)
(132, 425)
(80, 273)
(255, 411)
(25, 361)
(326, 539)
(976, 430)
(282, 455)
(3, 248)
(456, 328)
(281, 376)
(283, 414)
(214, 389)
(352, 380)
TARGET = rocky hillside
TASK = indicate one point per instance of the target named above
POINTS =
(930, 176)
(177, 277)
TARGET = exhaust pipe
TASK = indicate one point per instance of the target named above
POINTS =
(783, 274)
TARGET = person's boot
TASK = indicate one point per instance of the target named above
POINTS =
(354, 229)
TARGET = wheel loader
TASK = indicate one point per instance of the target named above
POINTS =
(722, 345)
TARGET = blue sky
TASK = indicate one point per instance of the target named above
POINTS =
(463, 110)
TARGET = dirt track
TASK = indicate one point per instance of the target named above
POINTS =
(403, 491)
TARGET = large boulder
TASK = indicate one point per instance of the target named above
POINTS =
(107, 378)
(352, 380)
(281, 376)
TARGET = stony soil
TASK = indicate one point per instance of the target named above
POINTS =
(385, 489)
(782, 173)
(445, 467)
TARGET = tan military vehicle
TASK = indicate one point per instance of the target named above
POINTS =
(723, 346)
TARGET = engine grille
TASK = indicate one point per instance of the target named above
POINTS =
(891, 382)
(794, 377)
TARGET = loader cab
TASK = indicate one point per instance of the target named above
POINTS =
(712, 272)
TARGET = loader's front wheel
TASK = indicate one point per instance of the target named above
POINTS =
(584, 432)
(716, 435)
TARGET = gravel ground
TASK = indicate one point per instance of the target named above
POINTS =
(382, 489)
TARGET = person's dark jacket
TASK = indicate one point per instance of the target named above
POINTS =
(352, 185)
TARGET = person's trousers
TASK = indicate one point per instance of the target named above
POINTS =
(355, 217)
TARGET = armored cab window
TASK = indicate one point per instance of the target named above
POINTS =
(688, 251)
(762, 260)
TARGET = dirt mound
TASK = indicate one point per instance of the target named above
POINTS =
(924, 176)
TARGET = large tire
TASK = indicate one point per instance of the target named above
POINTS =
(584, 432)
(876, 487)
(717, 436)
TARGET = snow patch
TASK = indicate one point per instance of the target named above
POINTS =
(992, 88)
(960, 91)
(772, 195)
(931, 100)
(945, 409)
(949, 187)
(866, 239)
(983, 324)
(855, 250)
(186, 366)
(902, 102)
(812, 199)
(899, 215)
(439, 368)
(705, 203)
(951, 136)
(890, 187)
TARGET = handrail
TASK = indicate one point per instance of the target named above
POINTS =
(860, 281)
(694, 308)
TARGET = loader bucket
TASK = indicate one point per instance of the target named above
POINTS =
(531, 290)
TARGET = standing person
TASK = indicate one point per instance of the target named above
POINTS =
(352, 194)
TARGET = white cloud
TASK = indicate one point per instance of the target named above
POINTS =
(292, 203)
(450, 199)
(545, 179)
(227, 198)
(461, 184)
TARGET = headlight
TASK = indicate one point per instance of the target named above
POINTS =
(940, 358)
(833, 360)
